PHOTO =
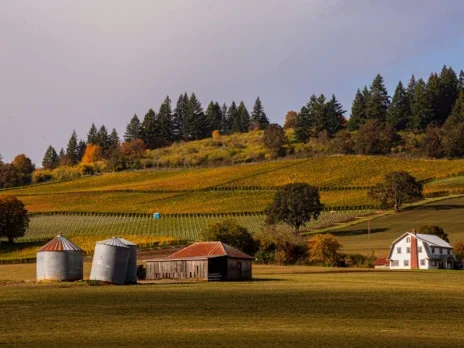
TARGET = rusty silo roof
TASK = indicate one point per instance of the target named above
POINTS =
(209, 249)
(59, 244)
(113, 241)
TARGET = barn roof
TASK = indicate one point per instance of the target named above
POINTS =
(59, 243)
(209, 250)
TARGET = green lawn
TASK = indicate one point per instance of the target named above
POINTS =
(448, 214)
(283, 307)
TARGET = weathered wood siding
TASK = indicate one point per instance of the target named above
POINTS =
(239, 269)
(177, 269)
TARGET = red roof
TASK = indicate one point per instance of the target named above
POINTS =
(382, 261)
(59, 244)
(209, 249)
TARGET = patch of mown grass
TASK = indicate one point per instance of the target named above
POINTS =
(279, 309)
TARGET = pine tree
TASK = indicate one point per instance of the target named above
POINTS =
(335, 121)
(213, 117)
(71, 150)
(225, 125)
(133, 129)
(149, 130)
(379, 101)
(305, 122)
(113, 139)
(461, 81)
(51, 159)
(259, 119)
(244, 118)
(195, 124)
(165, 119)
(421, 110)
(457, 114)
(92, 135)
(318, 117)
(449, 90)
(433, 94)
(1, 160)
(411, 88)
(102, 139)
(232, 116)
(179, 117)
(399, 111)
(81, 147)
(62, 154)
(358, 112)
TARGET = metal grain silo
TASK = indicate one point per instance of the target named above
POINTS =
(110, 261)
(131, 272)
(60, 259)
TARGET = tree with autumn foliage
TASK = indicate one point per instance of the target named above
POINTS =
(458, 249)
(14, 219)
(324, 248)
(93, 153)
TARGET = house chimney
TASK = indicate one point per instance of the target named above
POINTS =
(414, 252)
(413, 231)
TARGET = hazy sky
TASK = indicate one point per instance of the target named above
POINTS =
(66, 64)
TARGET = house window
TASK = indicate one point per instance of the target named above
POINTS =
(406, 263)
(408, 240)
(419, 249)
(433, 250)
(441, 251)
(395, 263)
(449, 251)
(434, 263)
(398, 250)
(408, 250)
(422, 262)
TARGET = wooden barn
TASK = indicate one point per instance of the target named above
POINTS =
(206, 260)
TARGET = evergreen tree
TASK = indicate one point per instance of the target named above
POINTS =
(62, 154)
(149, 130)
(461, 81)
(133, 129)
(213, 116)
(259, 119)
(399, 111)
(81, 147)
(318, 116)
(335, 120)
(411, 89)
(1, 159)
(358, 112)
(165, 122)
(225, 125)
(379, 101)
(113, 139)
(243, 118)
(50, 160)
(433, 94)
(421, 110)
(232, 117)
(102, 139)
(195, 123)
(92, 137)
(305, 122)
(449, 90)
(72, 150)
(457, 114)
(179, 117)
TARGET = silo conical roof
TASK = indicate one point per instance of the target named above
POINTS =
(127, 242)
(113, 241)
(59, 243)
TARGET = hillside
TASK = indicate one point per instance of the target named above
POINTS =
(448, 214)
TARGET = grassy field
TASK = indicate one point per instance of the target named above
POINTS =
(448, 214)
(282, 307)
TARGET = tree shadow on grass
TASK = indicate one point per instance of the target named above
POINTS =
(6, 247)
(357, 232)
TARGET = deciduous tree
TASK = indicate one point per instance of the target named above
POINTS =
(324, 248)
(13, 218)
(290, 119)
(396, 189)
(274, 138)
(295, 204)
(434, 230)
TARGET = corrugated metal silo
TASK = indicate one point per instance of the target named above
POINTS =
(131, 272)
(110, 261)
(60, 259)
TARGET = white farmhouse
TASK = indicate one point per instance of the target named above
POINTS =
(421, 251)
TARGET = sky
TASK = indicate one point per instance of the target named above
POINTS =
(65, 64)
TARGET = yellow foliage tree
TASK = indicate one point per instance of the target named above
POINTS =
(324, 248)
(216, 134)
(92, 154)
